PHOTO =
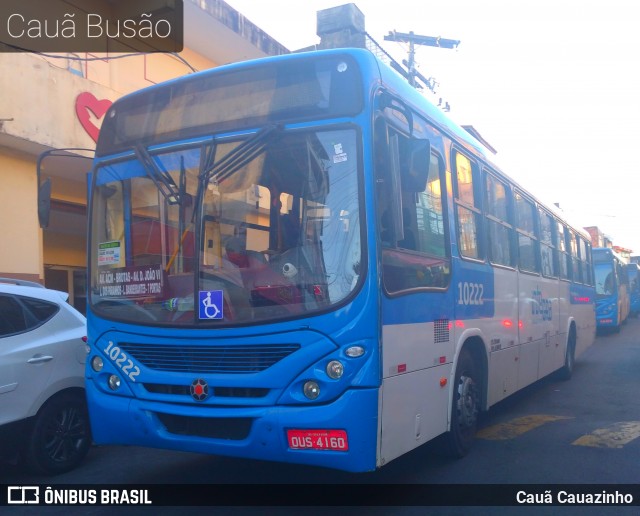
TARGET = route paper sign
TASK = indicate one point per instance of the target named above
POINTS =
(109, 253)
(142, 281)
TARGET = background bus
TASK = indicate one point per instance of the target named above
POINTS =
(633, 279)
(301, 259)
(612, 289)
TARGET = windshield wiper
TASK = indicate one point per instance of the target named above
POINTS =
(232, 162)
(163, 181)
(238, 157)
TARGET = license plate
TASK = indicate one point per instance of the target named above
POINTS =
(334, 440)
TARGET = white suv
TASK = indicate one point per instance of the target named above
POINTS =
(43, 413)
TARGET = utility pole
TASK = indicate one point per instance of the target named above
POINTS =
(414, 39)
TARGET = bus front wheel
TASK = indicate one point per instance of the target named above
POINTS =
(465, 406)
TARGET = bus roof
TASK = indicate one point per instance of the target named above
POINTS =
(378, 74)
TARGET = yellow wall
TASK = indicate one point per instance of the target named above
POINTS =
(38, 98)
(38, 107)
(38, 112)
(20, 235)
(68, 250)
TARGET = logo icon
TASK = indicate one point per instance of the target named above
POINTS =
(23, 495)
(199, 389)
(210, 304)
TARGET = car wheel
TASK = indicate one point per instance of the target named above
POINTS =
(60, 437)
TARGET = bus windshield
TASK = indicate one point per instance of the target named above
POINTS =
(227, 231)
(606, 284)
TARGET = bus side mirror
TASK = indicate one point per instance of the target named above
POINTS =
(44, 203)
(415, 171)
(60, 163)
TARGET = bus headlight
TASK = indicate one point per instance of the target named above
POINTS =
(97, 364)
(311, 389)
(335, 369)
(114, 382)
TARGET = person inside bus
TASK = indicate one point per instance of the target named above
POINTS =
(289, 232)
(238, 254)
(386, 233)
(608, 284)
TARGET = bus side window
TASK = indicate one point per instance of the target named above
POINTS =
(420, 259)
(427, 214)
(584, 264)
(527, 240)
(546, 244)
(563, 255)
(468, 207)
(499, 229)
(576, 271)
(382, 171)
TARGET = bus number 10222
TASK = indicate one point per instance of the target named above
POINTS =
(470, 293)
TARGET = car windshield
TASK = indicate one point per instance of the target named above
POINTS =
(228, 231)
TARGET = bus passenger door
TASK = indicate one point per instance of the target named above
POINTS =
(536, 294)
(415, 272)
(551, 301)
(502, 328)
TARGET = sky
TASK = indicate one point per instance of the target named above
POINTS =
(552, 85)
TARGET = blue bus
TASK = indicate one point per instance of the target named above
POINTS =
(613, 303)
(633, 280)
(301, 259)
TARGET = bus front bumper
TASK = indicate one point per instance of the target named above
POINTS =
(248, 432)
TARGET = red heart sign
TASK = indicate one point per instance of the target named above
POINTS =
(87, 104)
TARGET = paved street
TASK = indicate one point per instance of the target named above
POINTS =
(584, 431)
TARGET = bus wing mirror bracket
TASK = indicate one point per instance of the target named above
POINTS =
(44, 203)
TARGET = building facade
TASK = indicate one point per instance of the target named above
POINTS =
(57, 102)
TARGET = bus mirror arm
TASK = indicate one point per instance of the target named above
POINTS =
(44, 203)
(389, 101)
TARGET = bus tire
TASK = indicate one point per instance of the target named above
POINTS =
(465, 406)
(566, 371)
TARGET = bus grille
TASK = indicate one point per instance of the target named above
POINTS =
(234, 428)
(209, 359)
(217, 392)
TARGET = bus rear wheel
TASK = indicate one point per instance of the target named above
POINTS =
(566, 371)
(465, 406)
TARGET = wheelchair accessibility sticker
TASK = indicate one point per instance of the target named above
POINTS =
(210, 304)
